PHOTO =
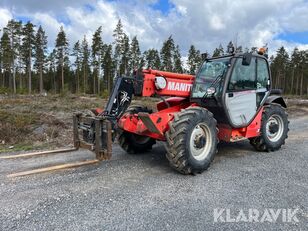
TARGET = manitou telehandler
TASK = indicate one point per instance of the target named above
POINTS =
(230, 99)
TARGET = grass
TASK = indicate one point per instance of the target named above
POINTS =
(15, 126)
(20, 120)
(36, 122)
(18, 147)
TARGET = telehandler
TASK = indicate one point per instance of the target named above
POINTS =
(229, 99)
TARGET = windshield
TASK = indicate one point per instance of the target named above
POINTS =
(209, 75)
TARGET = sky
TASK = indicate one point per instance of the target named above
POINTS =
(203, 23)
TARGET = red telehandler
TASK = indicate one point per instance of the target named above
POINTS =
(230, 99)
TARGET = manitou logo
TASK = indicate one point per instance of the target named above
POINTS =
(174, 86)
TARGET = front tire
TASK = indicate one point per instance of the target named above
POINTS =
(274, 129)
(132, 143)
(191, 140)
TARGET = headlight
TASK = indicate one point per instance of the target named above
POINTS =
(160, 83)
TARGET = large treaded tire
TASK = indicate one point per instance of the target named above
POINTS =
(178, 145)
(133, 143)
(263, 143)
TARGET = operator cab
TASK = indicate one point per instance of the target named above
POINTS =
(233, 87)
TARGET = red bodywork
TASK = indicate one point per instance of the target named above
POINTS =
(226, 133)
(160, 119)
(156, 124)
(177, 84)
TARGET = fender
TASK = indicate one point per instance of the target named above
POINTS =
(276, 99)
(153, 125)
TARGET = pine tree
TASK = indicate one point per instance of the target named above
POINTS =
(52, 67)
(18, 55)
(108, 67)
(97, 54)
(13, 30)
(294, 64)
(62, 52)
(221, 50)
(125, 56)
(278, 66)
(6, 56)
(177, 60)
(40, 54)
(303, 69)
(135, 55)
(28, 42)
(77, 54)
(118, 35)
(166, 55)
(194, 60)
(85, 56)
(218, 51)
(156, 59)
(1, 65)
(152, 59)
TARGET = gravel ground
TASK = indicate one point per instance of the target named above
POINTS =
(141, 192)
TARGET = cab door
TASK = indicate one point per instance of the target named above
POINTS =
(263, 81)
(241, 94)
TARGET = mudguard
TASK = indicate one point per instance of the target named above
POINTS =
(276, 99)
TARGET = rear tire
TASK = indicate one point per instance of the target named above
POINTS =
(191, 140)
(274, 129)
(133, 143)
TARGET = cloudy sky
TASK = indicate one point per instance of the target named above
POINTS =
(204, 23)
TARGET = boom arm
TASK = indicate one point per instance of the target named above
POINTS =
(148, 83)
(175, 84)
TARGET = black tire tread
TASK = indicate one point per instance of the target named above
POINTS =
(175, 138)
(125, 138)
(260, 143)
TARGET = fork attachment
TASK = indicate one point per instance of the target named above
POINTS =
(96, 135)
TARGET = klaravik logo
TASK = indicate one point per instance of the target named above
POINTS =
(255, 215)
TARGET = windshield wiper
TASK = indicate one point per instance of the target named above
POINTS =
(214, 84)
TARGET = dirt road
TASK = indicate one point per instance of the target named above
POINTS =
(141, 192)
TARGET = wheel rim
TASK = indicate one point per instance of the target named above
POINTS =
(200, 141)
(274, 128)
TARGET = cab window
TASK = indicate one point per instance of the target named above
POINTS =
(243, 77)
(263, 75)
(210, 71)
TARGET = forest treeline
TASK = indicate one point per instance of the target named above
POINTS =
(29, 65)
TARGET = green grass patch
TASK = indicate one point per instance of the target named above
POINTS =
(16, 148)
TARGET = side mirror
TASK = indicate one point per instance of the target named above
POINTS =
(246, 59)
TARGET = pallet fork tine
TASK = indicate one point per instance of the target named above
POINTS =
(33, 154)
(102, 149)
(53, 168)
